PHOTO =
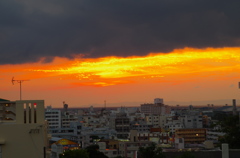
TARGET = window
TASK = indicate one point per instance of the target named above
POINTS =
(180, 140)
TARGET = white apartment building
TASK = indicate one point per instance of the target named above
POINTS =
(23, 129)
(162, 120)
(192, 121)
(173, 123)
(153, 120)
(156, 120)
(214, 135)
(94, 121)
(53, 116)
(129, 149)
(156, 137)
(67, 119)
(141, 127)
(111, 121)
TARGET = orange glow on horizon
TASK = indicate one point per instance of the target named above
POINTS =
(182, 75)
(107, 71)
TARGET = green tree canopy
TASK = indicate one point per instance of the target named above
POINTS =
(119, 157)
(94, 152)
(231, 127)
(186, 154)
(80, 153)
(151, 151)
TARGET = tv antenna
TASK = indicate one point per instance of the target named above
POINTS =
(20, 82)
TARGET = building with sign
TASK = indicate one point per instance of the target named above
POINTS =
(61, 145)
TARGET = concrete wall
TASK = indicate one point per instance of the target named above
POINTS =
(28, 107)
(23, 140)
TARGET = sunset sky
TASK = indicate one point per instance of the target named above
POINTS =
(127, 52)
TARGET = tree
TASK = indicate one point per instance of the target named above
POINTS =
(151, 151)
(186, 154)
(94, 152)
(231, 127)
(75, 154)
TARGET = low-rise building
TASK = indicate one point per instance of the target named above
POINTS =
(158, 137)
(191, 135)
(61, 145)
(141, 128)
(110, 152)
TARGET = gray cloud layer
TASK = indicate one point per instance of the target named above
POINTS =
(31, 29)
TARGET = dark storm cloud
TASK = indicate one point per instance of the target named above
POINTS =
(30, 29)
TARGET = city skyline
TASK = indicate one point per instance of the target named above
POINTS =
(85, 52)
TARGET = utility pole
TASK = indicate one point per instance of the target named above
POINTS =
(20, 82)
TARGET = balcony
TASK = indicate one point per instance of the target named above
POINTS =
(195, 140)
(191, 132)
(10, 108)
(9, 113)
(192, 135)
(9, 118)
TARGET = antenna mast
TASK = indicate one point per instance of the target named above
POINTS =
(20, 82)
(105, 104)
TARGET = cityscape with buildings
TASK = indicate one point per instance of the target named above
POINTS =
(28, 128)
(119, 79)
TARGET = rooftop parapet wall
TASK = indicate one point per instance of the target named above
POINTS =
(30, 111)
